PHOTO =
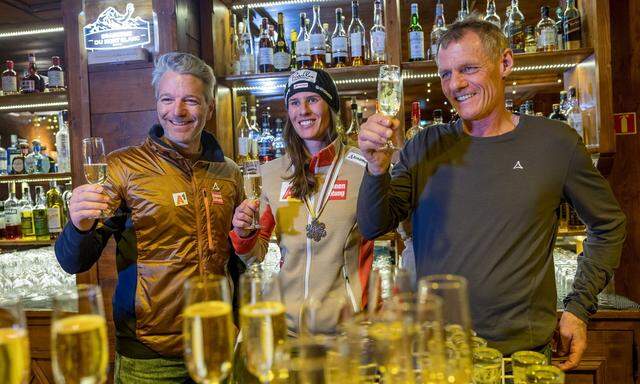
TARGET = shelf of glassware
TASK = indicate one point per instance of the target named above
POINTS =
(35, 178)
(40, 101)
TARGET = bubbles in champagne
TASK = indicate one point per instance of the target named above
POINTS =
(14, 356)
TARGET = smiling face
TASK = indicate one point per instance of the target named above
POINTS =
(471, 80)
(182, 108)
(310, 116)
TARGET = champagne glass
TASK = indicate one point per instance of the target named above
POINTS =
(79, 336)
(390, 93)
(253, 186)
(386, 285)
(208, 328)
(263, 325)
(487, 366)
(521, 361)
(327, 315)
(430, 348)
(94, 163)
(14, 342)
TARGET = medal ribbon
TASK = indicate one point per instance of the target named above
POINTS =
(329, 181)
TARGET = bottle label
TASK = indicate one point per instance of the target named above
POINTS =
(30, 164)
(356, 44)
(416, 43)
(317, 44)
(243, 146)
(547, 37)
(54, 222)
(303, 49)
(339, 44)
(12, 216)
(281, 60)
(264, 149)
(265, 56)
(246, 64)
(17, 166)
(378, 42)
(56, 78)
(9, 84)
(572, 30)
(327, 57)
(516, 36)
(26, 222)
(28, 85)
(2, 221)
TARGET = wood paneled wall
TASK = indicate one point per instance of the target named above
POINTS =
(625, 174)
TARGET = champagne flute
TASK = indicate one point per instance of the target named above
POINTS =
(94, 163)
(14, 342)
(390, 94)
(79, 336)
(327, 315)
(253, 186)
(263, 325)
(388, 284)
(208, 328)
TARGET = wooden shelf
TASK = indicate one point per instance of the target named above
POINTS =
(24, 243)
(36, 177)
(44, 101)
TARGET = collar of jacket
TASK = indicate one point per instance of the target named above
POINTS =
(211, 150)
(325, 156)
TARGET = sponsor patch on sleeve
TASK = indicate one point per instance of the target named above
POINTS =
(357, 158)
(180, 199)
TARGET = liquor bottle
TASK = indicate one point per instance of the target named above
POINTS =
(530, 41)
(254, 134)
(26, 214)
(293, 35)
(557, 113)
(9, 79)
(281, 56)
(464, 12)
(66, 198)
(574, 115)
(546, 33)
(423, 116)
(415, 121)
(560, 28)
(279, 145)
(416, 36)
(247, 57)
(265, 53)
(17, 162)
(357, 37)
(316, 38)
(508, 105)
(303, 48)
(272, 34)
(63, 146)
(529, 110)
(572, 26)
(30, 160)
(244, 141)
(55, 74)
(40, 220)
(13, 223)
(564, 104)
(234, 40)
(265, 142)
(3, 162)
(55, 210)
(51, 167)
(505, 27)
(3, 224)
(439, 28)
(491, 15)
(438, 117)
(339, 43)
(354, 126)
(378, 36)
(12, 152)
(328, 49)
(515, 28)
(30, 82)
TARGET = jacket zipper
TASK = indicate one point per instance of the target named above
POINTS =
(197, 212)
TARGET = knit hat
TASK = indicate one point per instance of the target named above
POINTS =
(316, 81)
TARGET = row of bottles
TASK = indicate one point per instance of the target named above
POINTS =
(313, 45)
(259, 142)
(31, 80)
(26, 220)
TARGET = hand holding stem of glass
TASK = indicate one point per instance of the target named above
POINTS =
(253, 187)
(390, 93)
(94, 162)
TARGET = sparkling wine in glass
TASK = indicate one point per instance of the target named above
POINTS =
(95, 160)
(208, 328)
(14, 342)
(253, 186)
(390, 93)
(79, 336)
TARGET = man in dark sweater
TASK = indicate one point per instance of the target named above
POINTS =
(484, 195)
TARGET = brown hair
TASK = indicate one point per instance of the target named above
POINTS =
(493, 40)
(303, 183)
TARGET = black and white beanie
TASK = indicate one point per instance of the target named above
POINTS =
(316, 81)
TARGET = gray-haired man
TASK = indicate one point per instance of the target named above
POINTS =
(175, 195)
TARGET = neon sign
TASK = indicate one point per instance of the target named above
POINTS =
(115, 30)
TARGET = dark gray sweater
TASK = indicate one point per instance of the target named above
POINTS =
(487, 209)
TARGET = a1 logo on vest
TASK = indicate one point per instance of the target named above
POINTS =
(180, 199)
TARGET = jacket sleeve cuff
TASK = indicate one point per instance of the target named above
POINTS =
(243, 245)
(577, 310)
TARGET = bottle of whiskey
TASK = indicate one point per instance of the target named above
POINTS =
(9, 79)
(328, 49)
(26, 214)
(378, 36)
(40, 224)
(293, 35)
(557, 113)
(265, 53)
(279, 145)
(416, 36)
(303, 48)
(491, 15)
(30, 82)
(415, 121)
(316, 38)
(13, 222)
(439, 28)
(265, 142)
(244, 141)
(55, 74)
(281, 56)
(560, 28)
(546, 33)
(354, 126)
(357, 37)
(247, 57)
(515, 28)
(530, 42)
(339, 43)
(572, 26)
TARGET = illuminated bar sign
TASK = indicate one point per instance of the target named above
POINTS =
(115, 30)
